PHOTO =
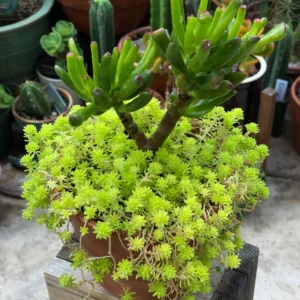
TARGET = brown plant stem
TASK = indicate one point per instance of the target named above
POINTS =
(164, 129)
(134, 131)
(169, 121)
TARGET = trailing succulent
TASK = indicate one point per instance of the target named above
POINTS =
(175, 181)
(55, 43)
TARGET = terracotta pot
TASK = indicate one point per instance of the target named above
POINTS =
(295, 111)
(99, 248)
(158, 96)
(160, 80)
(38, 123)
(129, 14)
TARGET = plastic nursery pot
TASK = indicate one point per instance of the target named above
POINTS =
(128, 14)
(38, 123)
(248, 93)
(295, 112)
(20, 46)
(5, 130)
(99, 248)
(160, 80)
(47, 62)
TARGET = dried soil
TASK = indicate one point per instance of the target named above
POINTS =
(26, 9)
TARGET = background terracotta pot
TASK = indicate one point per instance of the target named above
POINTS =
(160, 80)
(129, 14)
(295, 111)
(99, 248)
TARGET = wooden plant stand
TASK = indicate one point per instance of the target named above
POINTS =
(235, 284)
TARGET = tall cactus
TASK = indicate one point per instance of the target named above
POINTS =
(35, 100)
(102, 25)
(161, 15)
(278, 62)
(8, 7)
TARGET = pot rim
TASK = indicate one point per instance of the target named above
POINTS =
(295, 98)
(132, 33)
(42, 12)
(56, 80)
(260, 73)
(68, 97)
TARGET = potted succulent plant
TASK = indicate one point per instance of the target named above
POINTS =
(6, 102)
(26, 25)
(154, 195)
(55, 45)
(33, 105)
(77, 12)
(295, 111)
(160, 17)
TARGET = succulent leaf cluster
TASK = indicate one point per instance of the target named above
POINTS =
(55, 43)
(6, 100)
(186, 200)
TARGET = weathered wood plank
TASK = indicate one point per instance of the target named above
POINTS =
(235, 284)
(266, 117)
(58, 267)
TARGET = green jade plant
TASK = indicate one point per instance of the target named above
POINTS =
(171, 180)
(55, 43)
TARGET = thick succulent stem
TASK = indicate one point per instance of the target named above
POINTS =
(169, 121)
(134, 131)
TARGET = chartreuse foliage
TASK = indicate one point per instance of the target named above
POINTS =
(184, 200)
(177, 188)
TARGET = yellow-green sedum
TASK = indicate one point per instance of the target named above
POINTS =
(194, 191)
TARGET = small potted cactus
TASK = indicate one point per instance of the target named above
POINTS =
(55, 45)
(6, 102)
(34, 106)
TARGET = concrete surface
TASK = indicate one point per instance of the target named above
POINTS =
(26, 248)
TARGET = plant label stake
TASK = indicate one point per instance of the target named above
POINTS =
(59, 103)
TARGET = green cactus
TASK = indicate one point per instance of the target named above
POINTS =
(278, 62)
(8, 7)
(6, 100)
(35, 100)
(102, 26)
(161, 15)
